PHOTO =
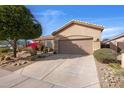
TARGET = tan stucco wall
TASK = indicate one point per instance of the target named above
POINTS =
(49, 43)
(84, 31)
(113, 43)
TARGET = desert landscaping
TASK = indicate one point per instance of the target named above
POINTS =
(24, 58)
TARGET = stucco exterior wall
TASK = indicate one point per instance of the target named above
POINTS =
(49, 43)
(80, 30)
(114, 44)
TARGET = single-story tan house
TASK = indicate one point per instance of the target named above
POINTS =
(116, 43)
(77, 37)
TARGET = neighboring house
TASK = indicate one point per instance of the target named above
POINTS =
(77, 37)
(4, 44)
(116, 43)
(47, 41)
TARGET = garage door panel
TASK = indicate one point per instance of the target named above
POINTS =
(75, 46)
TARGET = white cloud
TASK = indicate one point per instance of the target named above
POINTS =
(49, 13)
(52, 12)
(50, 16)
(112, 31)
(109, 35)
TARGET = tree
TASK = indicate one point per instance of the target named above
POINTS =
(17, 22)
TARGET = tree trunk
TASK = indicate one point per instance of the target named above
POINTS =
(14, 47)
(25, 43)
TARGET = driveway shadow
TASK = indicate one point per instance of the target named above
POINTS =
(58, 56)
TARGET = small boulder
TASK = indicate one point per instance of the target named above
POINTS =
(25, 62)
(2, 58)
(7, 58)
(19, 64)
(23, 52)
(4, 62)
(14, 64)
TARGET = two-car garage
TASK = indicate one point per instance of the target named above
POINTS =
(75, 46)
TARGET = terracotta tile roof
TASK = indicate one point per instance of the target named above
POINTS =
(100, 27)
(44, 38)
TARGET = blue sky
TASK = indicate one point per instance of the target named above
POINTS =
(52, 17)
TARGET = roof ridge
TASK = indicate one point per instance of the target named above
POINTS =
(80, 22)
(75, 20)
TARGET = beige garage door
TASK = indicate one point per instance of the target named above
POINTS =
(82, 46)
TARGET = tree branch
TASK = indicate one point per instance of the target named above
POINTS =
(10, 43)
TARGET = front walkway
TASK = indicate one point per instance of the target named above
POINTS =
(57, 71)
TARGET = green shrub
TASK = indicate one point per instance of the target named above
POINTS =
(45, 50)
(40, 47)
(4, 50)
(122, 51)
(106, 55)
(120, 72)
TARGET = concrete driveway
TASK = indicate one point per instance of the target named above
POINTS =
(4, 72)
(57, 71)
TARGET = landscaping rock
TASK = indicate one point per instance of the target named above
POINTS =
(16, 64)
(7, 58)
(23, 52)
(108, 79)
(25, 62)
(19, 63)
(5, 62)
(2, 58)
(16, 59)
